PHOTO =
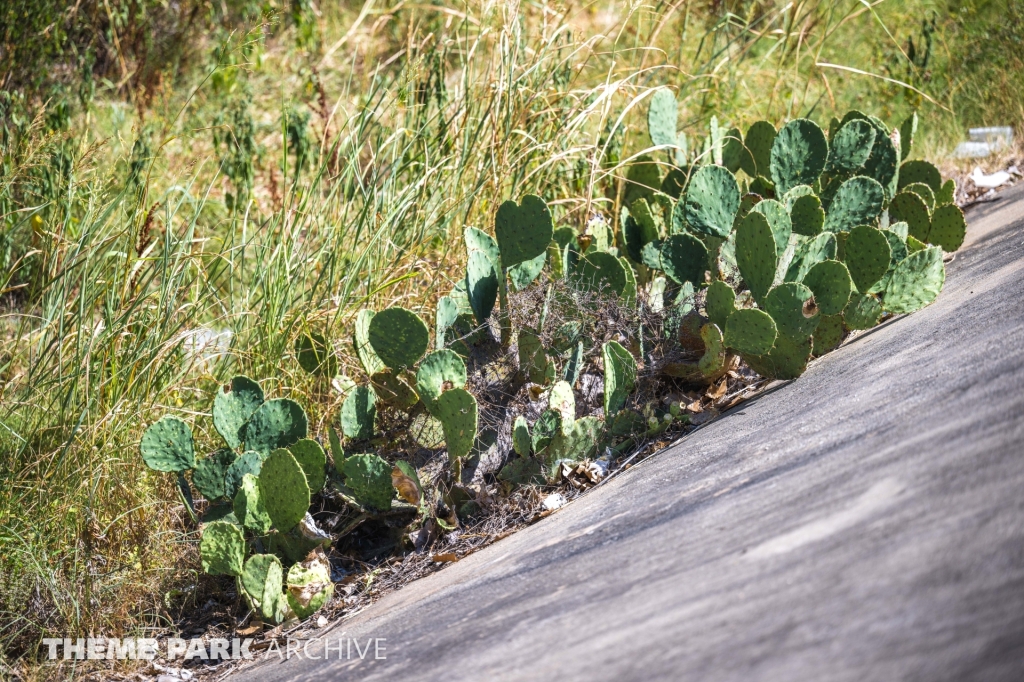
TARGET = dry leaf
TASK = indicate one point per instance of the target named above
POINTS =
(406, 487)
(447, 557)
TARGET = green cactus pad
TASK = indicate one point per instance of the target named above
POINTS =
(563, 401)
(828, 335)
(661, 118)
(798, 155)
(522, 471)
(481, 285)
(309, 587)
(720, 302)
(233, 405)
(284, 490)
(316, 355)
(313, 460)
(756, 253)
(249, 508)
(399, 337)
(830, 282)
(883, 164)
(523, 274)
(601, 271)
(808, 253)
(361, 340)
(862, 312)
(579, 442)
(792, 307)
(908, 130)
(222, 548)
(544, 430)
(457, 411)
(426, 431)
(249, 463)
(651, 255)
(758, 141)
(924, 191)
(920, 171)
(275, 424)
(521, 441)
(210, 472)
(851, 146)
(629, 292)
(946, 194)
(684, 258)
(394, 388)
(711, 202)
(478, 240)
(807, 216)
(358, 413)
(787, 359)
(867, 256)
(898, 251)
(619, 376)
(948, 228)
(571, 370)
(263, 580)
(915, 282)
(712, 363)
(438, 371)
(643, 178)
(446, 313)
(167, 445)
(533, 361)
(750, 331)
(778, 220)
(910, 208)
(369, 478)
(523, 230)
(858, 201)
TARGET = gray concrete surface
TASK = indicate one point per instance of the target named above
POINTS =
(865, 522)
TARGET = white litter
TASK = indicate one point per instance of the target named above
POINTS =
(989, 181)
(554, 501)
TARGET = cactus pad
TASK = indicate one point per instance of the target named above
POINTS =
(946, 194)
(911, 209)
(924, 191)
(275, 424)
(481, 285)
(523, 274)
(601, 271)
(399, 337)
(806, 215)
(521, 441)
(358, 413)
(828, 335)
(830, 282)
(361, 339)
(787, 359)
(948, 227)
(858, 201)
(457, 411)
(661, 118)
(712, 200)
(778, 220)
(222, 548)
(426, 431)
(446, 314)
(210, 472)
(867, 256)
(369, 479)
(619, 376)
(394, 388)
(167, 445)
(915, 282)
(439, 371)
(533, 361)
(851, 146)
(643, 178)
(750, 331)
(756, 253)
(712, 363)
(562, 401)
(808, 253)
(920, 171)
(578, 442)
(758, 141)
(523, 230)
(883, 163)
(249, 463)
(263, 580)
(522, 471)
(309, 586)
(233, 405)
(313, 461)
(284, 490)
(249, 508)
(544, 430)
(316, 355)
(862, 312)
(684, 258)
(720, 303)
(798, 155)
(793, 309)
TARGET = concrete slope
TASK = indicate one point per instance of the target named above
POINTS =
(865, 522)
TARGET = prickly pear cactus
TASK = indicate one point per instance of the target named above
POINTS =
(924, 191)
(263, 581)
(916, 282)
(712, 363)
(562, 401)
(275, 424)
(750, 331)
(399, 337)
(210, 472)
(948, 228)
(457, 411)
(579, 442)
(787, 360)
(313, 461)
(249, 508)
(601, 271)
(233, 405)
(533, 360)
(523, 274)
(830, 282)
(806, 214)
(720, 302)
(792, 307)
(167, 446)
(661, 118)
(249, 463)
(758, 141)
(438, 372)
(444, 318)
(828, 335)
(358, 413)
(808, 253)
(920, 171)
(910, 208)
(544, 430)
(862, 312)
(284, 490)
(798, 155)
(394, 388)
(316, 355)
(361, 339)
(521, 441)
(851, 146)
(858, 201)
(778, 221)
(756, 253)
(222, 548)
(867, 256)
(684, 258)
(619, 376)
(309, 586)
(481, 273)
(711, 202)
(369, 479)
(523, 230)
